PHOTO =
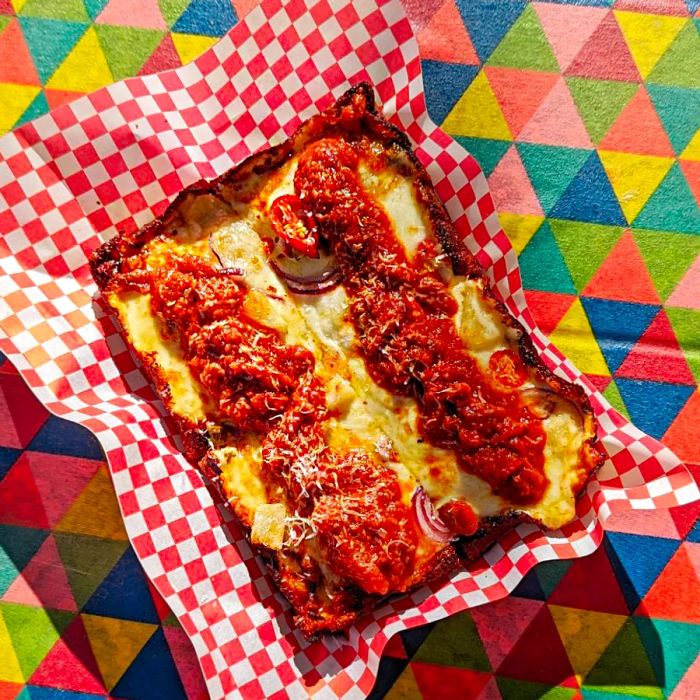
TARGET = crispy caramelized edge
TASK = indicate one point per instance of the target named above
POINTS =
(105, 264)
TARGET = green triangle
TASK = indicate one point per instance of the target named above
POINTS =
(679, 111)
(549, 574)
(49, 42)
(625, 663)
(17, 546)
(512, 689)
(454, 641)
(551, 169)
(87, 561)
(672, 207)
(525, 46)
(680, 65)
(171, 620)
(672, 647)
(66, 10)
(685, 324)
(584, 247)
(487, 151)
(609, 693)
(542, 266)
(600, 102)
(172, 9)
(33, 632)
(4, 21)
(126, 48)
(38, 107)
(667, 256)
(612, 394)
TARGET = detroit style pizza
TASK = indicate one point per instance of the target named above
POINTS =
(336, 361)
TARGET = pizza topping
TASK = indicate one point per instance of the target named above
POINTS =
(428, 521)
(459, 517)
(294, 225)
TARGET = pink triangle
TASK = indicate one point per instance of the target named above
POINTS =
(691, 170)
(511, 187)
(43, 582)
(243, 7)
(657, 356)
(186, 663)
(568, 27)
(686, 292)
(557, 122)
(59, 479)
(6, 8)
(502, 623)
(21, 415)
(655, 523)
(490, 691)
(144, 14)
(444, 38)
(70, 665)
(656, 7)
(420, 11)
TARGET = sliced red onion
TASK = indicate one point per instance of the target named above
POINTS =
(229, 264)
(307, 275)
(427, 518)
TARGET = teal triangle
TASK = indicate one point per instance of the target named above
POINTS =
(50, 41)
(672, 207)
(38, 107)
(542, 266)
(94, 7)
(551, 169)
(590, 197)
(679, 111)
(678, 644)
(653, 405)
(550, 573)
(207, 17)
(17, 546)
(488, 152)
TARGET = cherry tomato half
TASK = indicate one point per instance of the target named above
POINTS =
(293, 225)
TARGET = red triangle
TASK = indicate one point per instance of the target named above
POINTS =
(539, 641)
(590, 584)
(625, 262)
(56, 98)
(21, 415)
(20, 503)
(186, 663)
(163, 58)
(675, 594)
(599, 382)
(667, 7)
(446, 682)
(445, 38)
(6, 8)
(594, 59)
(70, 665)
(395, 648)
(691, 170)
(683, 435)
(657, 356)
(9, 691)
(638, 129)
(548, 308)
(43, 582)
(160, 605)
(519, 93)
(17, 65)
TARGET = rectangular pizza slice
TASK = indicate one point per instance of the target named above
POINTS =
(336, 360)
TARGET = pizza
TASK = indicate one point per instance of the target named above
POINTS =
(337, 363)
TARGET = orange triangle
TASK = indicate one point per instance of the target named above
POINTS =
(445, 38)
(683, 436)
(16, 65)
(548, 308)
(657, 356)
(56, 98)
(519, 92)
(675, 594)
(638, 129)
(625, 262)
(691, 170)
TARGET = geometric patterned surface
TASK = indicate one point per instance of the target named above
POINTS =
(586, 118)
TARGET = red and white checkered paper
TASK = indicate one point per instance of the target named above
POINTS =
(112, 161)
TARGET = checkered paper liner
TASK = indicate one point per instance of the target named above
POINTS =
(112, 161)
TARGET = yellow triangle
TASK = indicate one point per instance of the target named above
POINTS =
(95, 512)
(14, 100)
(18, 4)
(574, 337)
(84, 69)
(405, 687)
(191, 46)
(634, 178)
(115, 643)
(477, 113)
(692, 150)
(648, 36)
(585, 635)
(9, 666)
(520, 228)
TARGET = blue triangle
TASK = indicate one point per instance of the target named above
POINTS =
(413, 638)
(590, 197)
(672, 207)
(637, 561)
(679, 111)
(694, 534)
(487, 22)
(62, 437)
(389, 670)
(152, 674)
(38, 107)
(653, 405)
(17, 546)
(444, 84)
(50, 41)
(617, 326)
(693, 6)
(94, 7)
(124, 593)
(8, 456)
(36, 692)
(542, 266)
(208, 17)
(530, 587)
(488, 152)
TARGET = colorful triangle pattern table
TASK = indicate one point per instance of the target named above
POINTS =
(585, 116)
